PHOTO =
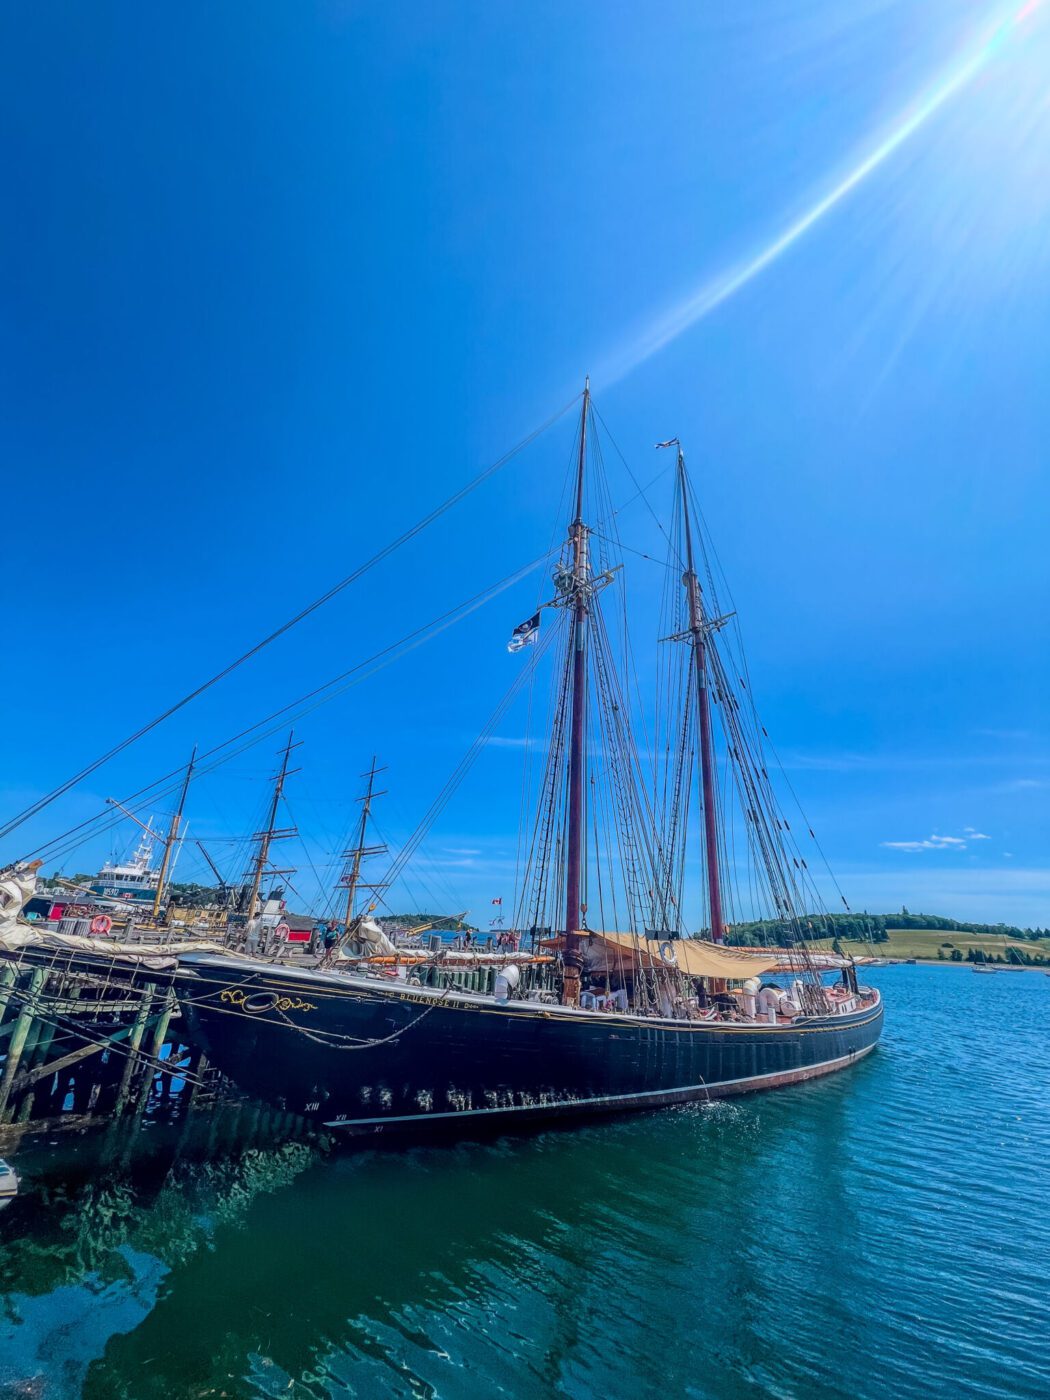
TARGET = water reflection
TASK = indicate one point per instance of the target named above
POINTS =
(796, 1244)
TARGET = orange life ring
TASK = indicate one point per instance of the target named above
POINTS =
(101, 923)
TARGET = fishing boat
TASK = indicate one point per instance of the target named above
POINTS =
(609, 1007)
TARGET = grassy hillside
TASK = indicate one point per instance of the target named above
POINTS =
(924, 943)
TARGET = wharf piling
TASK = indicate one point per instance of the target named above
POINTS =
(73, 1037)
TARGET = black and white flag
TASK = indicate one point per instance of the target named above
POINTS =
(525, 633)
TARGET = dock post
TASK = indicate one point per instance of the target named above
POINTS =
(160, 1034)
(18, 1038)
(7, 981)
(138, 1030)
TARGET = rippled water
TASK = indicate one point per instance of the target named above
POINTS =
(882, 1233)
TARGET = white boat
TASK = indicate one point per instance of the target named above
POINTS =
(133, 881)
(8, 1183)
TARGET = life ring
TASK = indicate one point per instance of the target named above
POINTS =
(260, 1002)
(667, 952)
(101, 924)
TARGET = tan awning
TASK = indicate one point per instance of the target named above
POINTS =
(690, 955)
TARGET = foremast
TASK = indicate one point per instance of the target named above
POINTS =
(356, 854)
(579, 601)
(269, 834)
(699, 631)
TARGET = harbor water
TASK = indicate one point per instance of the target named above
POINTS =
(883, 1233)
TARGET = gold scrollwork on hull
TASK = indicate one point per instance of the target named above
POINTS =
(258, 1003)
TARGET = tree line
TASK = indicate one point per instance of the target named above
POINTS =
(865, 927)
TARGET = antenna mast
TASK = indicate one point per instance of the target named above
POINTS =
(172, 837)
(699, 630)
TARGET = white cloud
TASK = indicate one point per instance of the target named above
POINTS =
(931, 843)
(973, 835)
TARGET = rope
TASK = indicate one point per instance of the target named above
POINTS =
(16, 821)
(328, 1039)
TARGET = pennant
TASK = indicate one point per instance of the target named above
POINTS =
(525, 634)
(671, 442)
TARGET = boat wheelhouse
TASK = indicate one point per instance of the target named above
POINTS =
(133, 881)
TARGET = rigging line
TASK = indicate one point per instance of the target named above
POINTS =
(309, 859)
(393, 872)
(440, 623)
(14, 822)
(640, 490)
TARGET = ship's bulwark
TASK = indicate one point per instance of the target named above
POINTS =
(371, 1058)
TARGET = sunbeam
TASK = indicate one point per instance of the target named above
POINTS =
(718, 289)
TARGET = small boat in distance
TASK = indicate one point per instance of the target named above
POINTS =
(612, 1006)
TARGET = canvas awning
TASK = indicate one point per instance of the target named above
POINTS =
(690, 955)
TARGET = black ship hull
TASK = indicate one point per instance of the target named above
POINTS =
(368, 1057)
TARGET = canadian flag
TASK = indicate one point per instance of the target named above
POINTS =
(497, 901)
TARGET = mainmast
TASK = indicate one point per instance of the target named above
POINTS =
(270, 832)
(357, 854)
(172, 837)
(699, 630)
(575, 908)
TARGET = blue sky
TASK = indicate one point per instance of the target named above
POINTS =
(280, 277)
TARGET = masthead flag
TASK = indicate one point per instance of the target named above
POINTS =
(671, 442)
(525, 633)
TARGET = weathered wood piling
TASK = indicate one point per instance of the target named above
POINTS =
(73, 1036)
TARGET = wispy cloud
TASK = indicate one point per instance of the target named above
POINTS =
(929, 843)
(972, 834)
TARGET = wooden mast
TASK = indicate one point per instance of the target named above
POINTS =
(361, 850)
(265, 837)
(575, 909)
(173, 836)
(698, 631)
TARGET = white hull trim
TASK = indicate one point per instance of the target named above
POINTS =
(658, 1097)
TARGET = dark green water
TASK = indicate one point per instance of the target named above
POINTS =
(883, 1233)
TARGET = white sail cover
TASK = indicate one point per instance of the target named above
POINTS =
(16, 886)
(372, 939)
